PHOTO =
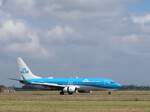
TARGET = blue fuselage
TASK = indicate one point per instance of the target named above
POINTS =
(101, 83)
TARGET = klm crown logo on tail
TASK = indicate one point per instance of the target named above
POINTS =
(24, 70)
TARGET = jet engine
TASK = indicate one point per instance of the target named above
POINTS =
(69, 89)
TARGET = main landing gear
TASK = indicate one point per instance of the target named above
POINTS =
(61, 93)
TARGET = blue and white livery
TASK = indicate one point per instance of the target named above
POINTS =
(65, 85)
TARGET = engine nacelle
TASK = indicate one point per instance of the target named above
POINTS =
(69, 89)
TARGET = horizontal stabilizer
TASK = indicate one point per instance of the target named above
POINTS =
(21, 81)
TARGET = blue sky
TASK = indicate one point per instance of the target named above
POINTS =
(140, 7)
(86, 38)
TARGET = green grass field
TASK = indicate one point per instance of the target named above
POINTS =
(50, 101)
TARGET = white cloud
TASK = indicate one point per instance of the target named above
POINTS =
(17, 37)
(132, 39)
(141, 19)
(10, 27)
(64, 9)
(31, 48)
(134, 44)
(60, 32)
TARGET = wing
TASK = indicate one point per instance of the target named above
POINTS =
(53, 85)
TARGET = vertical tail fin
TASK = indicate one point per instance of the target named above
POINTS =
(24, 70)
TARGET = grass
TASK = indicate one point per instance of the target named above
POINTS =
(43, 101)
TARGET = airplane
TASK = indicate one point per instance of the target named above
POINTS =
(65, 85)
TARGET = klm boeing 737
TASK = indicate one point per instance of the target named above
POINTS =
(65, 85)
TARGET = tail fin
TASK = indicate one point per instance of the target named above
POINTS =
(24, 71)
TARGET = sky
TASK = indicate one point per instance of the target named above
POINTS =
(69, 38)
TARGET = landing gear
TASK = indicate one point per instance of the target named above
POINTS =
(109, 92)
(61, 93)
(70, 90)
(70, 93)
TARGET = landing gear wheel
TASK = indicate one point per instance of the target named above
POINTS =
(109, 92)
(70, 93)
(61, 93)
